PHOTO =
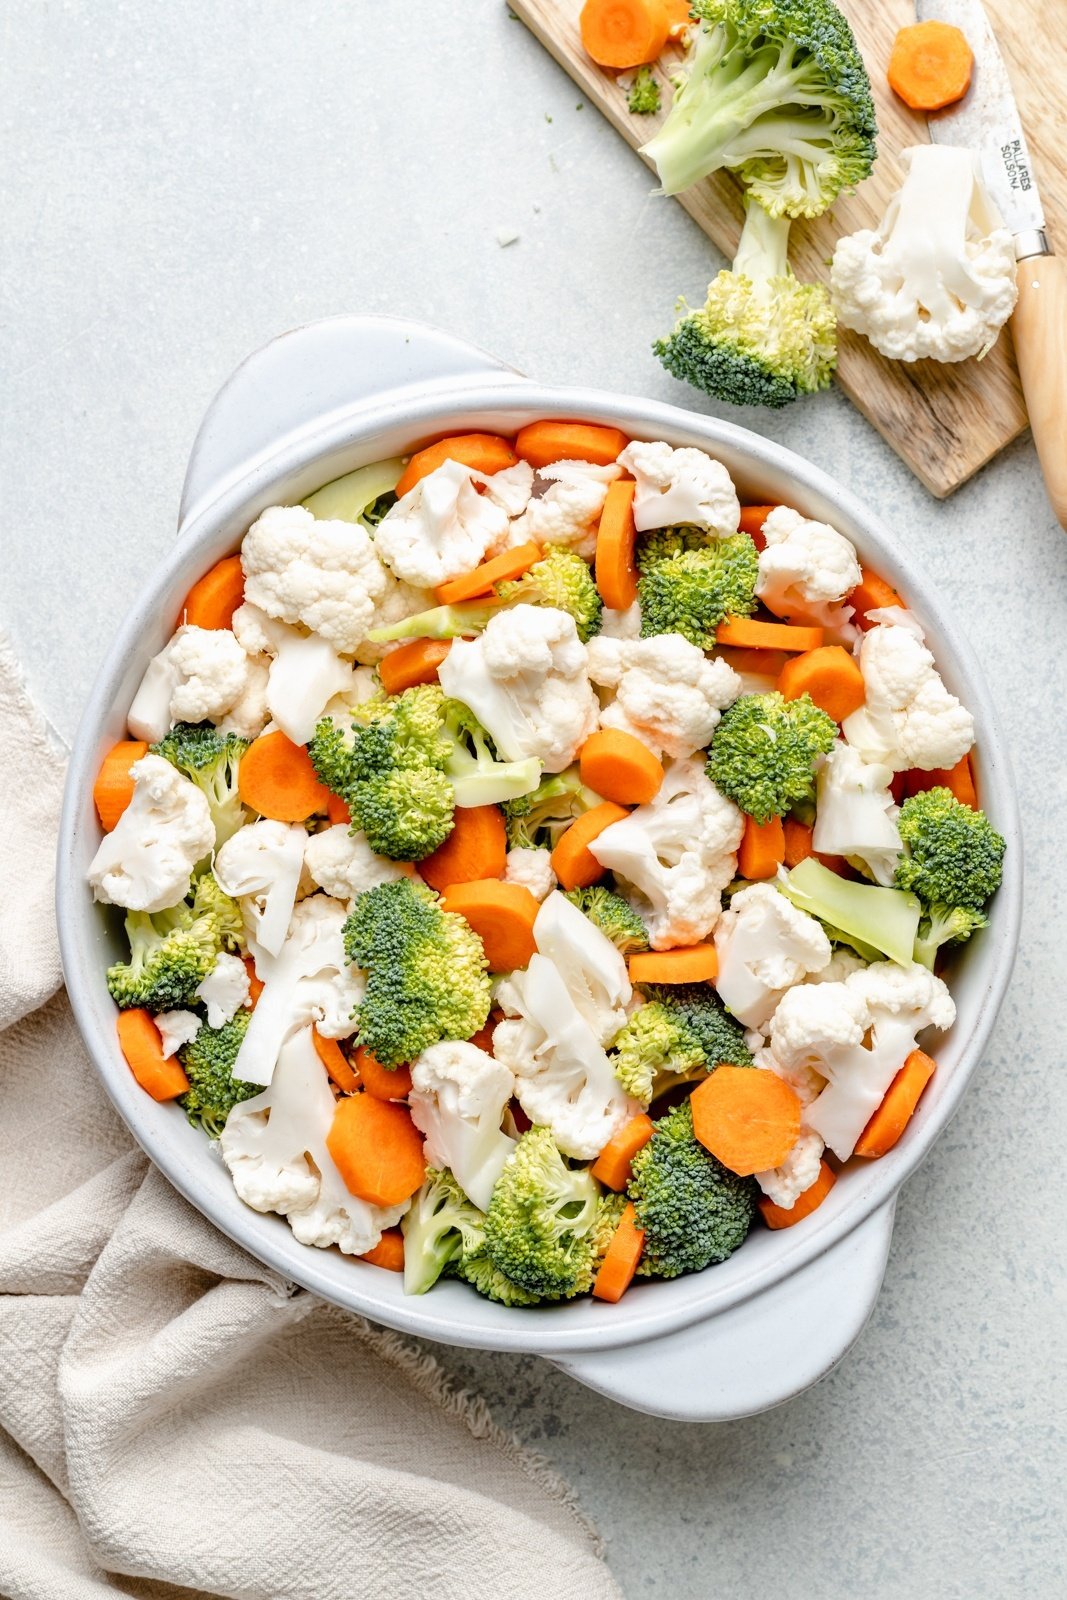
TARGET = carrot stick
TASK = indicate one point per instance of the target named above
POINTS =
(830, 675)
(752, 635)
(797, 838)
(388, 1252)
(541, 443)
(499, 569)
(960, 779)
(612, 1165)
(754, 663)
(502, 915)
(762, 848)
(113, 789)
(336, 1063)
(482, 452)
(747, 1117)
(214, 598)
(337, 809)
(377, 1149)
(159, 1075)
(382, 1083)
(781, 1217)
(255, 985)
(872, 593)
(616, 569)
(930, 65)
(572, 861)
(620, 767)
(476, 848)
(276, 779)
(620, 1258)
(752, 520)
(894, 1113)
(412, 663)
(624, 33)
(695, 963)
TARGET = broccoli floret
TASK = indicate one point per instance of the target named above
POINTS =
(776, 92)
(761, 338)
(477, 776)
(539, 817)
(210, 898)
(691, 593)
(693, 1209)
(426, 971)
(560, 579)
(208, 1061)
(211, 759)
(682, 1033)
(699, 1010)
(171, 952)
(953, 860)
(439, 1226)
(540, 1226)
(763, 753)
(644, 96)
(662, 543)
(613, 915)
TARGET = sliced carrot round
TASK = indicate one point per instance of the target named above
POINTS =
(753, 635)
(624, 33)
(388, 1252)
(413, 663)
(214, 598)
(382, 1083)
(476, 848)
(959, 779)
(276, 779)
(140, 1042)
(572, 861)
(113, 789)
(803, 1206)
(336, 808)
(830, 675)
(621, 1258)
(752, 520)
(542, 443)
(694, 963)
(898, 1103)
(612, 1166)
(255, 984)
(749, 1118)
(616, 568)
(930, 65)
(796, 838)
(502, 915)
(762, 848)
(482, 452)
(620, 767)
(872, 593)
(505, 567)
(336, 1063)
(377, 1149)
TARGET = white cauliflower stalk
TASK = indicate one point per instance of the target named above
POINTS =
(344, 864)
(510, 488)
(146, 862)
(321, 575)
(668, 693)
(909, 718)
(806, 571)
(593, 968)
(681, 486)
(225, 989)
(440, 529)
(532, 869)
(304, 672)
(856, 814)
(260, 867)
(621, 624)
(764, 945)
(458, 1097)
(197, 677)
(568, 512)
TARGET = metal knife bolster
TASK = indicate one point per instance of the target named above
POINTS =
(1032, 242)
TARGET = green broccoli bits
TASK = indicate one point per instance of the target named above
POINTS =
(953, 860)
(208, 1061)
(540, 1229)
(763, 752)
(613, 915)
(692, 592)
(694, 1211)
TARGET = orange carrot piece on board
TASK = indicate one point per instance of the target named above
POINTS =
(476, 848)
(502, 915)
(615, 568)
(336, 1063)
(960, 779)
(409, 664)
(752, 635)
(255, 985)
(214, 598)
(803, 1206)
(830, 675)
(139, 1040)
(612, 1165)
(113, 789)
(336, 808)
(572, 861)
(542, 443)
(797, 837)
(382, 1083)
(872, 593)
(620, 767)
(377, 1149)
(276, 779)
(620, 1259)
(482, 452)
(898, 1103)
(762, 848)
(504, 568)
(749, 1118)
(624, 33)
(930, 65)
(694, 963)
(388, 1252)
(752, 520)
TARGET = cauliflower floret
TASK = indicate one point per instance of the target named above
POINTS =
(681, 486)
(197, 677)
(440, 529)
(621, 624)
(532, 869)
(344, 864)
(261, 866)
(909, 718)
(764, 945)
(568, 512)
(146, 862)
(785, 1184)
(304, 674)
(675, 856)
(458, 1097)
(249, 714)
(322, 575)
(510, 489)
(225, 989)
(856, 814)
(805, 572)
(593, 968)
(400, 600)
(177, 1028)
(525, 680)
(668, 694)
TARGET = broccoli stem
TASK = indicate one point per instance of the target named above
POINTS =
(763, 248)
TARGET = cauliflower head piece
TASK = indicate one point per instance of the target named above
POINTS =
(322, 575)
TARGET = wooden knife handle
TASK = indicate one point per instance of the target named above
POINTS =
(1039, 328)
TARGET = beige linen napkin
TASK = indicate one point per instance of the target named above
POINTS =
(174, 1420)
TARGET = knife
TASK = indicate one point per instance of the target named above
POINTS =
(987, 120)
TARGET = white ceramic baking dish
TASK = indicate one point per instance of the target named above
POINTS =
(773, 1319)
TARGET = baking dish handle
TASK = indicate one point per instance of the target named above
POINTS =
(338, 365)
(754, 1356)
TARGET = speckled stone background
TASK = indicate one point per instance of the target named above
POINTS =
(178, 184)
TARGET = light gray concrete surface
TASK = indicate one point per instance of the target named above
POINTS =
(178, 184)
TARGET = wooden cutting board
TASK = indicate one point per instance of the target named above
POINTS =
(945, 421)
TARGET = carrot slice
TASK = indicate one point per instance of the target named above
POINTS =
(796, 838)
(476, 848)
(214, 598)
(541, 443)
(139, 1040)
(382, 1083)
(409, 664)
(377, 1149)
(930, 65)
(803, 1206)
(255, 985)
(872, 593)
(747, 1117)
(337, 809)
(751, 635)
(499, 569)
(276, 779)
(830, 675)
(624, 33)
(898, 1103)
(620, 767)
(502, 915)
(484, 1037)
(752, 520)
(612, 1165)
(616, 569)
(762, 848)
(960, 779)
(754, 663)
(336, 1063)
(620, 1258)
(388, 1252)
(482, 452)
(695, 963)
(113, 789)
(572, 861)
